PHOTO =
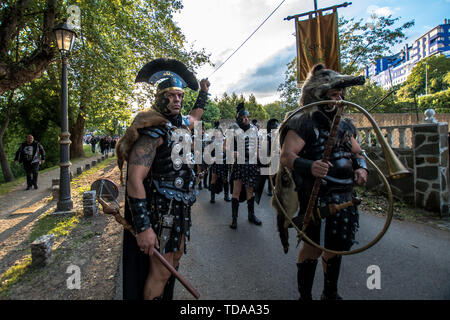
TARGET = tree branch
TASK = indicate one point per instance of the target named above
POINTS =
(11, 16)
(15, 74)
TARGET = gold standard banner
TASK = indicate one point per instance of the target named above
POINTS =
(317, 41)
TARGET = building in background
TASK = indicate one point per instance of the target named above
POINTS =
(394, 70)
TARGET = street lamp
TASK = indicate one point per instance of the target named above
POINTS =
(65, 37)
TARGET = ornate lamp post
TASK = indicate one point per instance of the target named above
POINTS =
(65, 37)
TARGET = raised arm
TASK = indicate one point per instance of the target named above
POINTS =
(199, 106)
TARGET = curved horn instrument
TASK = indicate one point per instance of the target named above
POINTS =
(396, 170)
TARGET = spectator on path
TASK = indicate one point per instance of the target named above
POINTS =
(30, 154)
(93, 143)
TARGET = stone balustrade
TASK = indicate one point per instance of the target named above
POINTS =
(423, 149)
(396, 136)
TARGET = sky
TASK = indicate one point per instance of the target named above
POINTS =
(258, 67)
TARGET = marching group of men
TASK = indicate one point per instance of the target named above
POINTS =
(161, 190)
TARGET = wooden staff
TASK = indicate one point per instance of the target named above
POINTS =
(326, 155)
(115, 212)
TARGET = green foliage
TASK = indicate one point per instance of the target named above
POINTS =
(227, 105)
(369, 95)
(289, 92)
(255, 109)
(115, 39)
(277, 110)
(439, 101)
(438, 68)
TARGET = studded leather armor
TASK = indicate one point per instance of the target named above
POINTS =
(170, 187)
(337, 186)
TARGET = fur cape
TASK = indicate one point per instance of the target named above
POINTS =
(146, 118)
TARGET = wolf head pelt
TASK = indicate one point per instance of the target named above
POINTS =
(146, 118)
(320, 80)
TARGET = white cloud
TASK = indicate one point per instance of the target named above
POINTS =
(221, 27)
(383, 11)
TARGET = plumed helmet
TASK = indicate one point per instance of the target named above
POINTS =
(240, 110)
(167, 74)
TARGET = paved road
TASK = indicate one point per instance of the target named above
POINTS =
(249, 263)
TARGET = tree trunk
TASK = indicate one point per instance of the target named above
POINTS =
(76, 136)
(6, 169)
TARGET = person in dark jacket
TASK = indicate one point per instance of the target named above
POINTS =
(30, 154)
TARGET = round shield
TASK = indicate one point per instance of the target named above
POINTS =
(106, 189)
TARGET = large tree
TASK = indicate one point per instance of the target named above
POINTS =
(116, 39)
(361, 43)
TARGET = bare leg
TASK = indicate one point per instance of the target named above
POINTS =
(237, 186)
(249, 191)
(158, 276)
(308, 252)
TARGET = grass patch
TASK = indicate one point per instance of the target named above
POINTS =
(99, 166)
(13, 274)
(8, 186)
(59, 226)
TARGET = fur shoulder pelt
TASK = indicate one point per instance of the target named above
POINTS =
(145, 118)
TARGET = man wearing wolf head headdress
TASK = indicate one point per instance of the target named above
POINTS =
(303, 139)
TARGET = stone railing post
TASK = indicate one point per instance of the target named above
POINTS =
(389, 136)
(367, 137)
(430, 143)
(402, 137)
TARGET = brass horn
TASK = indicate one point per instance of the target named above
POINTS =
(396, 171)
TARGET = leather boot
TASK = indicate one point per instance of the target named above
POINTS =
(234, 212)
(169, 288)
(269, 188)
(305, 278)
(251, 212)
(212, 187)
(205, 179)
(226, 191)
(331, 276)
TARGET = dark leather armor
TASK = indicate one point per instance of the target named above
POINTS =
(336, 188)
(340, 175)
(170, 188)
